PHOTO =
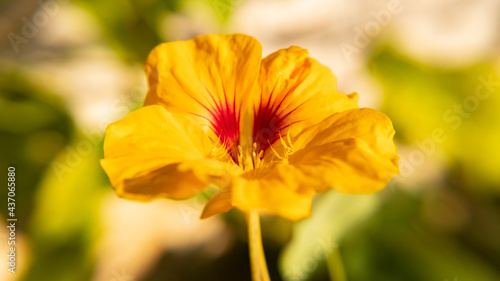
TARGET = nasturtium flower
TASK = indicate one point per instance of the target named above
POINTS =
(268, 133)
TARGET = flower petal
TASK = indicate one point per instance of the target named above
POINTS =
(351, 152)
(295, 90)
(209, 76)
(152, 152)
(273, 194)
(219, 203)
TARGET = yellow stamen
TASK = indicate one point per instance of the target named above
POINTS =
(287, 147)
(274, 151)
(251, 158)
(261, 154)
(219, 151)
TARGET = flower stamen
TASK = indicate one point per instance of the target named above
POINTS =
(219, 151)
(250, 159)
(276, 153)
(287, 147)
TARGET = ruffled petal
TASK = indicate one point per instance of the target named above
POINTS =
(209, 76)
(276, 193)
(351, 152)
(152, 152)
(296, 90)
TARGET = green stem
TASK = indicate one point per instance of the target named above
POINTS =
(336, 266)
(257, 258)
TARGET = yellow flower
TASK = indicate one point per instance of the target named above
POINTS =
(269, 133)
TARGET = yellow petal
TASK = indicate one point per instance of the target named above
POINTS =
(152, 152)
(219, 203)
(297, 91)
(352, 152)
(274, 194)
(209, 76)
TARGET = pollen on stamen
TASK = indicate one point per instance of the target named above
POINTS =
(257, 157)
(250, 158)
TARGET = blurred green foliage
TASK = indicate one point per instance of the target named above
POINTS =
(131, 28)
(35, 127)
(314, 239)
(420, 99)
(56, 206)
(66, 223)
(398, 243)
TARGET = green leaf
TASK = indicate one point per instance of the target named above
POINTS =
(65, 226)
(333, 216)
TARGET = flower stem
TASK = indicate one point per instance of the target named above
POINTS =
(336, 266)
(257, 258)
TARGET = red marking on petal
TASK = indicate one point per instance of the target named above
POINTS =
(224, 119)
(271, 118)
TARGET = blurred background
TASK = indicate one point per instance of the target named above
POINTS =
(68, 68)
